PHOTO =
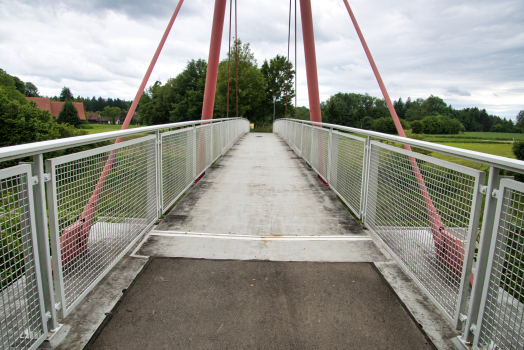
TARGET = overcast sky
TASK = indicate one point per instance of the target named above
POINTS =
(469, 52)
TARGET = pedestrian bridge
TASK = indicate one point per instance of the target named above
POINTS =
(314, 236)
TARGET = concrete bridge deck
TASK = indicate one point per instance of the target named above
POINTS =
(261, 201)
(258, 202)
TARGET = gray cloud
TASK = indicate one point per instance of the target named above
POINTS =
(454, 90)
(421, 47)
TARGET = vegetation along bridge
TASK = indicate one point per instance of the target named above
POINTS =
(312, 236)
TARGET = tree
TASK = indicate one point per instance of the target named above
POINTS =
(7, 83)
(251, 86)
(111, 112)
(66, 94)
(69, 115)
(520, 121)
(19, 85)
(367, 123)
(31, 90)
(277, 83)
(188, 88)
(417, 127)
(385, 125)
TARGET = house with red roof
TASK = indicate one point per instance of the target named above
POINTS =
(54, 107)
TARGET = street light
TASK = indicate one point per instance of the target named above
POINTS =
(274, 99)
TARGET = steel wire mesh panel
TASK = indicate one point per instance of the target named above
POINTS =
(217, 147)
(306, 144)
(21, 322)
(292, 129)
(203, 139)
(177, 164)
(319, 150)
(502, 318)
(296, 136)
(399, 213)
(100, 203)
(347, 164)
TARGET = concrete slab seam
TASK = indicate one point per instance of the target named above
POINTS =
(257, 238)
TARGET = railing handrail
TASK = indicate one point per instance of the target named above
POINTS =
(479, 157)
(29, 149)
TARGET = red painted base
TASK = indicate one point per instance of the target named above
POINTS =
(198, 179)
(324, 182)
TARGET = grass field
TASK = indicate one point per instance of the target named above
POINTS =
(502, 149)
(480, 136)
(98, 128)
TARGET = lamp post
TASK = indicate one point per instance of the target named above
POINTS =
(274, 99)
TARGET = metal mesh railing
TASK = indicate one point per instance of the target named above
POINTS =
(177, 164)
(21, 316)
(347, 166)
(404, 218)
(319, 150)
(503, 315)
(100, 203)
(306, 143)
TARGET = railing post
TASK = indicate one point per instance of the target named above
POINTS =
(194, 153)
(44, 257)
(330, 144)
(301, 137)
(490, 208)
(365, 180)
(212, 153)
(158, 167)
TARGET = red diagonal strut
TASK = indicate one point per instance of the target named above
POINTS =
(448, 248)
(73, 240)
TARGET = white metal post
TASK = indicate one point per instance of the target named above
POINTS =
(158, 167)
(194, 153)
(365, 177)
(301, 137)
(367, 174)
(43, 240)
(212, 153)
(330, 144)
(486, 234)
(469, 250)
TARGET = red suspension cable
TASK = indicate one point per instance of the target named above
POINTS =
(236, 56)
(296, 68)
(287, 62)
(229, 57)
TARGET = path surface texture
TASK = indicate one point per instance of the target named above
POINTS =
(210, 304)
(261, 187)
(261, 201)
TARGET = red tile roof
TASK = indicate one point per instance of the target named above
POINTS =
(55, 107)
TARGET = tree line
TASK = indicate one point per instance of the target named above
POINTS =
(181, 97)
(428, 116)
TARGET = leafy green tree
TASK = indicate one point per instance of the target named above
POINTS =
(417, 127)
(188, 88)
(111, 112)
(277, 83)
(251, 87)
(31, 90)
(7, 83)
(438, 124)
(69, 115)
(367, 123)
(518, 149)
(385, 125)
(19, 85)
(66, 94)
(26, 123)
(302, 113)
